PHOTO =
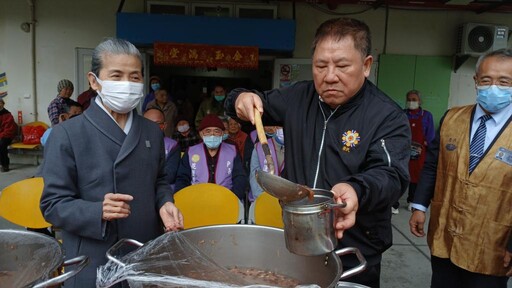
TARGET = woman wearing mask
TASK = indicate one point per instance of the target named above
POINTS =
(212, 161)
(185, 135)
(104, 173)
(422, 130)
(154, 83)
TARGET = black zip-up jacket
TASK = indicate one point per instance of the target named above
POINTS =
(317, 155)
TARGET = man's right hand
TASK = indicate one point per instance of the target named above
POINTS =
(245, 104)
(115, 206)
(417, 222)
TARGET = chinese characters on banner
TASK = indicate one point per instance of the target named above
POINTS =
(209, 56)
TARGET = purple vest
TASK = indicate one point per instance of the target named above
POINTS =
(169, 144)
(223, 169)
(254, 136)
(263, 161)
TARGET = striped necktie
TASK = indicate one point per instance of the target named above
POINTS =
(476, 148)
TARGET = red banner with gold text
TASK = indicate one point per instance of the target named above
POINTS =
(209, 56)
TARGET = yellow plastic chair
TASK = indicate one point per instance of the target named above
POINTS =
(20, 145)
(19, 203)
(266, 211)
(208, 204)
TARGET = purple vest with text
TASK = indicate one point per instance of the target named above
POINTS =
(263, 161)
(169, 144)
(223, 168)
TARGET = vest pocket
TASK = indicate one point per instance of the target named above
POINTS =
(495, 234)
(493, 242)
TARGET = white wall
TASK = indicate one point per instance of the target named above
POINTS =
(15, 55)
(62, 26)
(410, 32)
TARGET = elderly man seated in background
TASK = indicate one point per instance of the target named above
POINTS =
(242, 142)
(275, 139)
(171, 147)
(8, 130)
(212, 161)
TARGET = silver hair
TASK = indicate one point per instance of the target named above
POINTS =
(413, 92)
(113, 46)
(501, 53)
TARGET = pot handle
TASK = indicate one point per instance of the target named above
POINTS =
(118, 245)
(356, 270)
(82, 261)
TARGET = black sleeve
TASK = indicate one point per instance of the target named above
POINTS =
(240, 180)
(275, 101)
(184, 175)
(172, 163)
(384, 175)
(427, 182)
(248, 147)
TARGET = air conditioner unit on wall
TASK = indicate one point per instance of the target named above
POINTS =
(476, 39)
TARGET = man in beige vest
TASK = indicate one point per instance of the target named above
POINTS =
(467, 181)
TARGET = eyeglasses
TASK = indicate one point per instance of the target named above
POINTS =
(502, 84)
(501, 87)
(212, 131)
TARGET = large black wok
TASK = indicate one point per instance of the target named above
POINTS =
(261, 247)
(29, 258)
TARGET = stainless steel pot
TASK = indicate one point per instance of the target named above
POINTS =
(309, 226)
(263, 248)
(28, 259)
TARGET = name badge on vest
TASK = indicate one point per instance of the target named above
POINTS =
(504, 155)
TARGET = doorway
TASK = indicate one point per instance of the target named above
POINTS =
(198, 83)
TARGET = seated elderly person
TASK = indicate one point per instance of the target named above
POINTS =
(75, 109)
(171, 147)
(275, 139)
(212, 161)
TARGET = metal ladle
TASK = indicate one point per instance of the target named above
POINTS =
(276, 186)
(282, 189)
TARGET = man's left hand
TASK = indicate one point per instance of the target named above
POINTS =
(507, 262)
(345, 218)
(171, 217)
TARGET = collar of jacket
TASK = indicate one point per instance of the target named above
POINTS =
(352, 102)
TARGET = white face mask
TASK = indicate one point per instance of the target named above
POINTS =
(183, 128)
(120, 96)
(413, 105)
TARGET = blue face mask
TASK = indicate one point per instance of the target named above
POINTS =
(279, 136)
(219, 98)
(492, 98)
(225, 136)
(155, 86)
(212, 142)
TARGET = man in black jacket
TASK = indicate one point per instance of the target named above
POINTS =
(343, 134)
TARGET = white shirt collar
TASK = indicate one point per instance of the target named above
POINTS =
(498, 117)
(128, 125)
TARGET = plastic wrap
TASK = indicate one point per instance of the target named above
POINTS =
(170, 261)
(27, 257)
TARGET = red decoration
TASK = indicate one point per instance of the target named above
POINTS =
(209, 56)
